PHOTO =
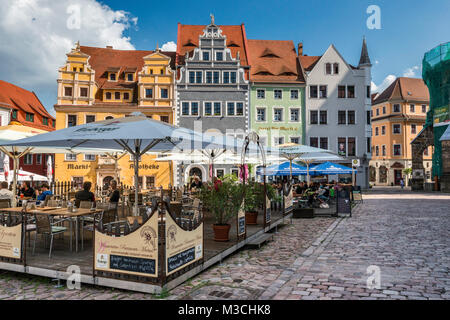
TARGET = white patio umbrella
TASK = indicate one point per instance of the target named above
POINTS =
(49, 169)
(25, 176)
(136, 134)
(16, 131)
(6, 171)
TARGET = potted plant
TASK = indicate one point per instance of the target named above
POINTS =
(252, 202)
(223, 199)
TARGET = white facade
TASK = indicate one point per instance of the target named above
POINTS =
(341, 111)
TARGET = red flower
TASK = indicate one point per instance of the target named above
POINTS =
(217, 184)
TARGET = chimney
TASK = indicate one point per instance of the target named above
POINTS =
(300, 48)
(109, 47)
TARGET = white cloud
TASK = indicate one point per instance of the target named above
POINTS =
(169, 46)
(411, 72)
(35, 36)
(384, 84)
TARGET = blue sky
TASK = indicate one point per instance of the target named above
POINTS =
(409, 28)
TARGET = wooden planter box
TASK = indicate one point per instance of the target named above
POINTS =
(299, 213)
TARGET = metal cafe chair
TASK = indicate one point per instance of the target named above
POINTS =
(46, 228)
(107, 216)
(86, 204)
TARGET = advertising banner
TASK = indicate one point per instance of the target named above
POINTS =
(135, 253)
(182, 247)
(11, 241)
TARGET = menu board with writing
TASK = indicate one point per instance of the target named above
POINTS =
(136, 253)
(182, 247)
(268, 210)
(288, 201)
(343, 202)
(11, 241)
(241, 220)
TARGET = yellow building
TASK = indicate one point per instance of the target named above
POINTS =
(103, 83)
(398, 115)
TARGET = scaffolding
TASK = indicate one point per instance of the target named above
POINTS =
(436, 75)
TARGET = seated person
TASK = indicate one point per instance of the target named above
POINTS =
(114, 195)
(196, 184)
(43, 193)
(5, 193)
(27, 190)
(85, 194)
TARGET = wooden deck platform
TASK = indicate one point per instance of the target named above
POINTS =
(62, 258)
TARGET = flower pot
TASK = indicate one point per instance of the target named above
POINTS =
(221, 232)
(251, 217)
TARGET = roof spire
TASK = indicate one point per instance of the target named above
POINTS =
(157, 46)
(364, 60)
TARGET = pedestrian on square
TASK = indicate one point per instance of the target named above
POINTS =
(402, 183)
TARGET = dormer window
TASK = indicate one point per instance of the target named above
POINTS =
(112, 77)
(130, 77)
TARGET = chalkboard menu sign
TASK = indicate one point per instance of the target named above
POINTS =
(241, 220)
(132, 264)
(180, 259)
(343, 202)
(268, 209)
(135, 253)
(241, 225)
(183, 247)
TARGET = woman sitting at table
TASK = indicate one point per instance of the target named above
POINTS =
(114, 195)
(43, 193)
(27, 190)
(85, 194)
(196, 184)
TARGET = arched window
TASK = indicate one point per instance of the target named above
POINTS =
(109, 118)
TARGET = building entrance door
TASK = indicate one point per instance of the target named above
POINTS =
(106, 182)
(196, 172)
(397, 177)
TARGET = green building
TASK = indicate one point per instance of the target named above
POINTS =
(277, 93)
(436, 75)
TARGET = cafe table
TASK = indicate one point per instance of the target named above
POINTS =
(59, 211)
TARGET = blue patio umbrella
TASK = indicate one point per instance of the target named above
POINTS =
(328, 168)
(283, 169)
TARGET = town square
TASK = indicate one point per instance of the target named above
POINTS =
(198, 153)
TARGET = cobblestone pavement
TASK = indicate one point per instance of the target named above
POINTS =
(404, 234)
(244, 275)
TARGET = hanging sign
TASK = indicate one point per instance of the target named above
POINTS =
(11, 241)
(135, 253)
(182, 247)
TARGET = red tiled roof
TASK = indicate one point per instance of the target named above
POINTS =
(104, 59)
(407, 89)
(273, 61)
(14, 97)
(188, 35)
(308, 62)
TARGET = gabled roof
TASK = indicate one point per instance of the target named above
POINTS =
(406, 89)
(273, 61)
(308, 62)
(103, 60)
(188, 40)
(14, 97)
